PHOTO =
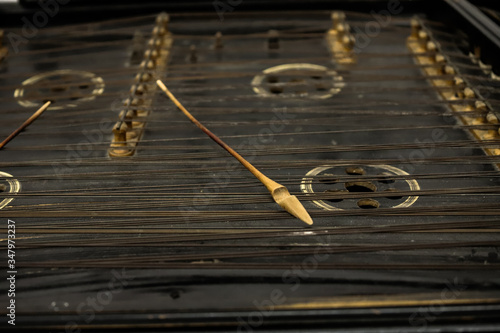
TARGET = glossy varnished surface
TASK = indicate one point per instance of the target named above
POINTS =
(191, 233)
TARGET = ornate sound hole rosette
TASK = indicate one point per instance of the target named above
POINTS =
(66, 88)
(298, 80)
(8, 185)
(342, 180)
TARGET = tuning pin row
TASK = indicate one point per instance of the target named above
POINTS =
(480, 114)
(273, 43)
(341, 33)
(152, 54)
(128, 129)
(218, 45)
(161, 28)
(493, 119)
(473, 111)
(415, 27)
(424, 41)
(155, 44)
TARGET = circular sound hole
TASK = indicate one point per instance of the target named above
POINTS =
(276, 90)
(386, 178)
(393, 197)
(328, 179)
(66, 87)
(335, 192)
(392, 185)
(272, 79)
(58, 89)
(368, 204)
(360, 187)
(10, 185)
(321, 87)
(298, 80)
(355, 171)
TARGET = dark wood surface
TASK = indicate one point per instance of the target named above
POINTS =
(194, 237)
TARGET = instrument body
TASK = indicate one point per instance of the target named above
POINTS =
(398, 173)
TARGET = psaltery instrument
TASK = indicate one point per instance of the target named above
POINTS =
(379, 120)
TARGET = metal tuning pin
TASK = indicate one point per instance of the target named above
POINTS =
(440, 60)
(137, 48)
(161, 28)
(337, 18)
(449, 70)
(480, 106)
(154, 44)
(342, 30)
(340, 39)
(469, 93)
(218, 41)
(151, 54)
(127, 117)
(138, 90)
(459, 85)
(349, 41)
(119, 146)
(148, 64)
(159, 31)
(492, 118)
(415, 28)
(136, 104)
(273, 40)
(143, 77)
(163, 20)
(432, 49)
(193, 54)
(423, 39)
